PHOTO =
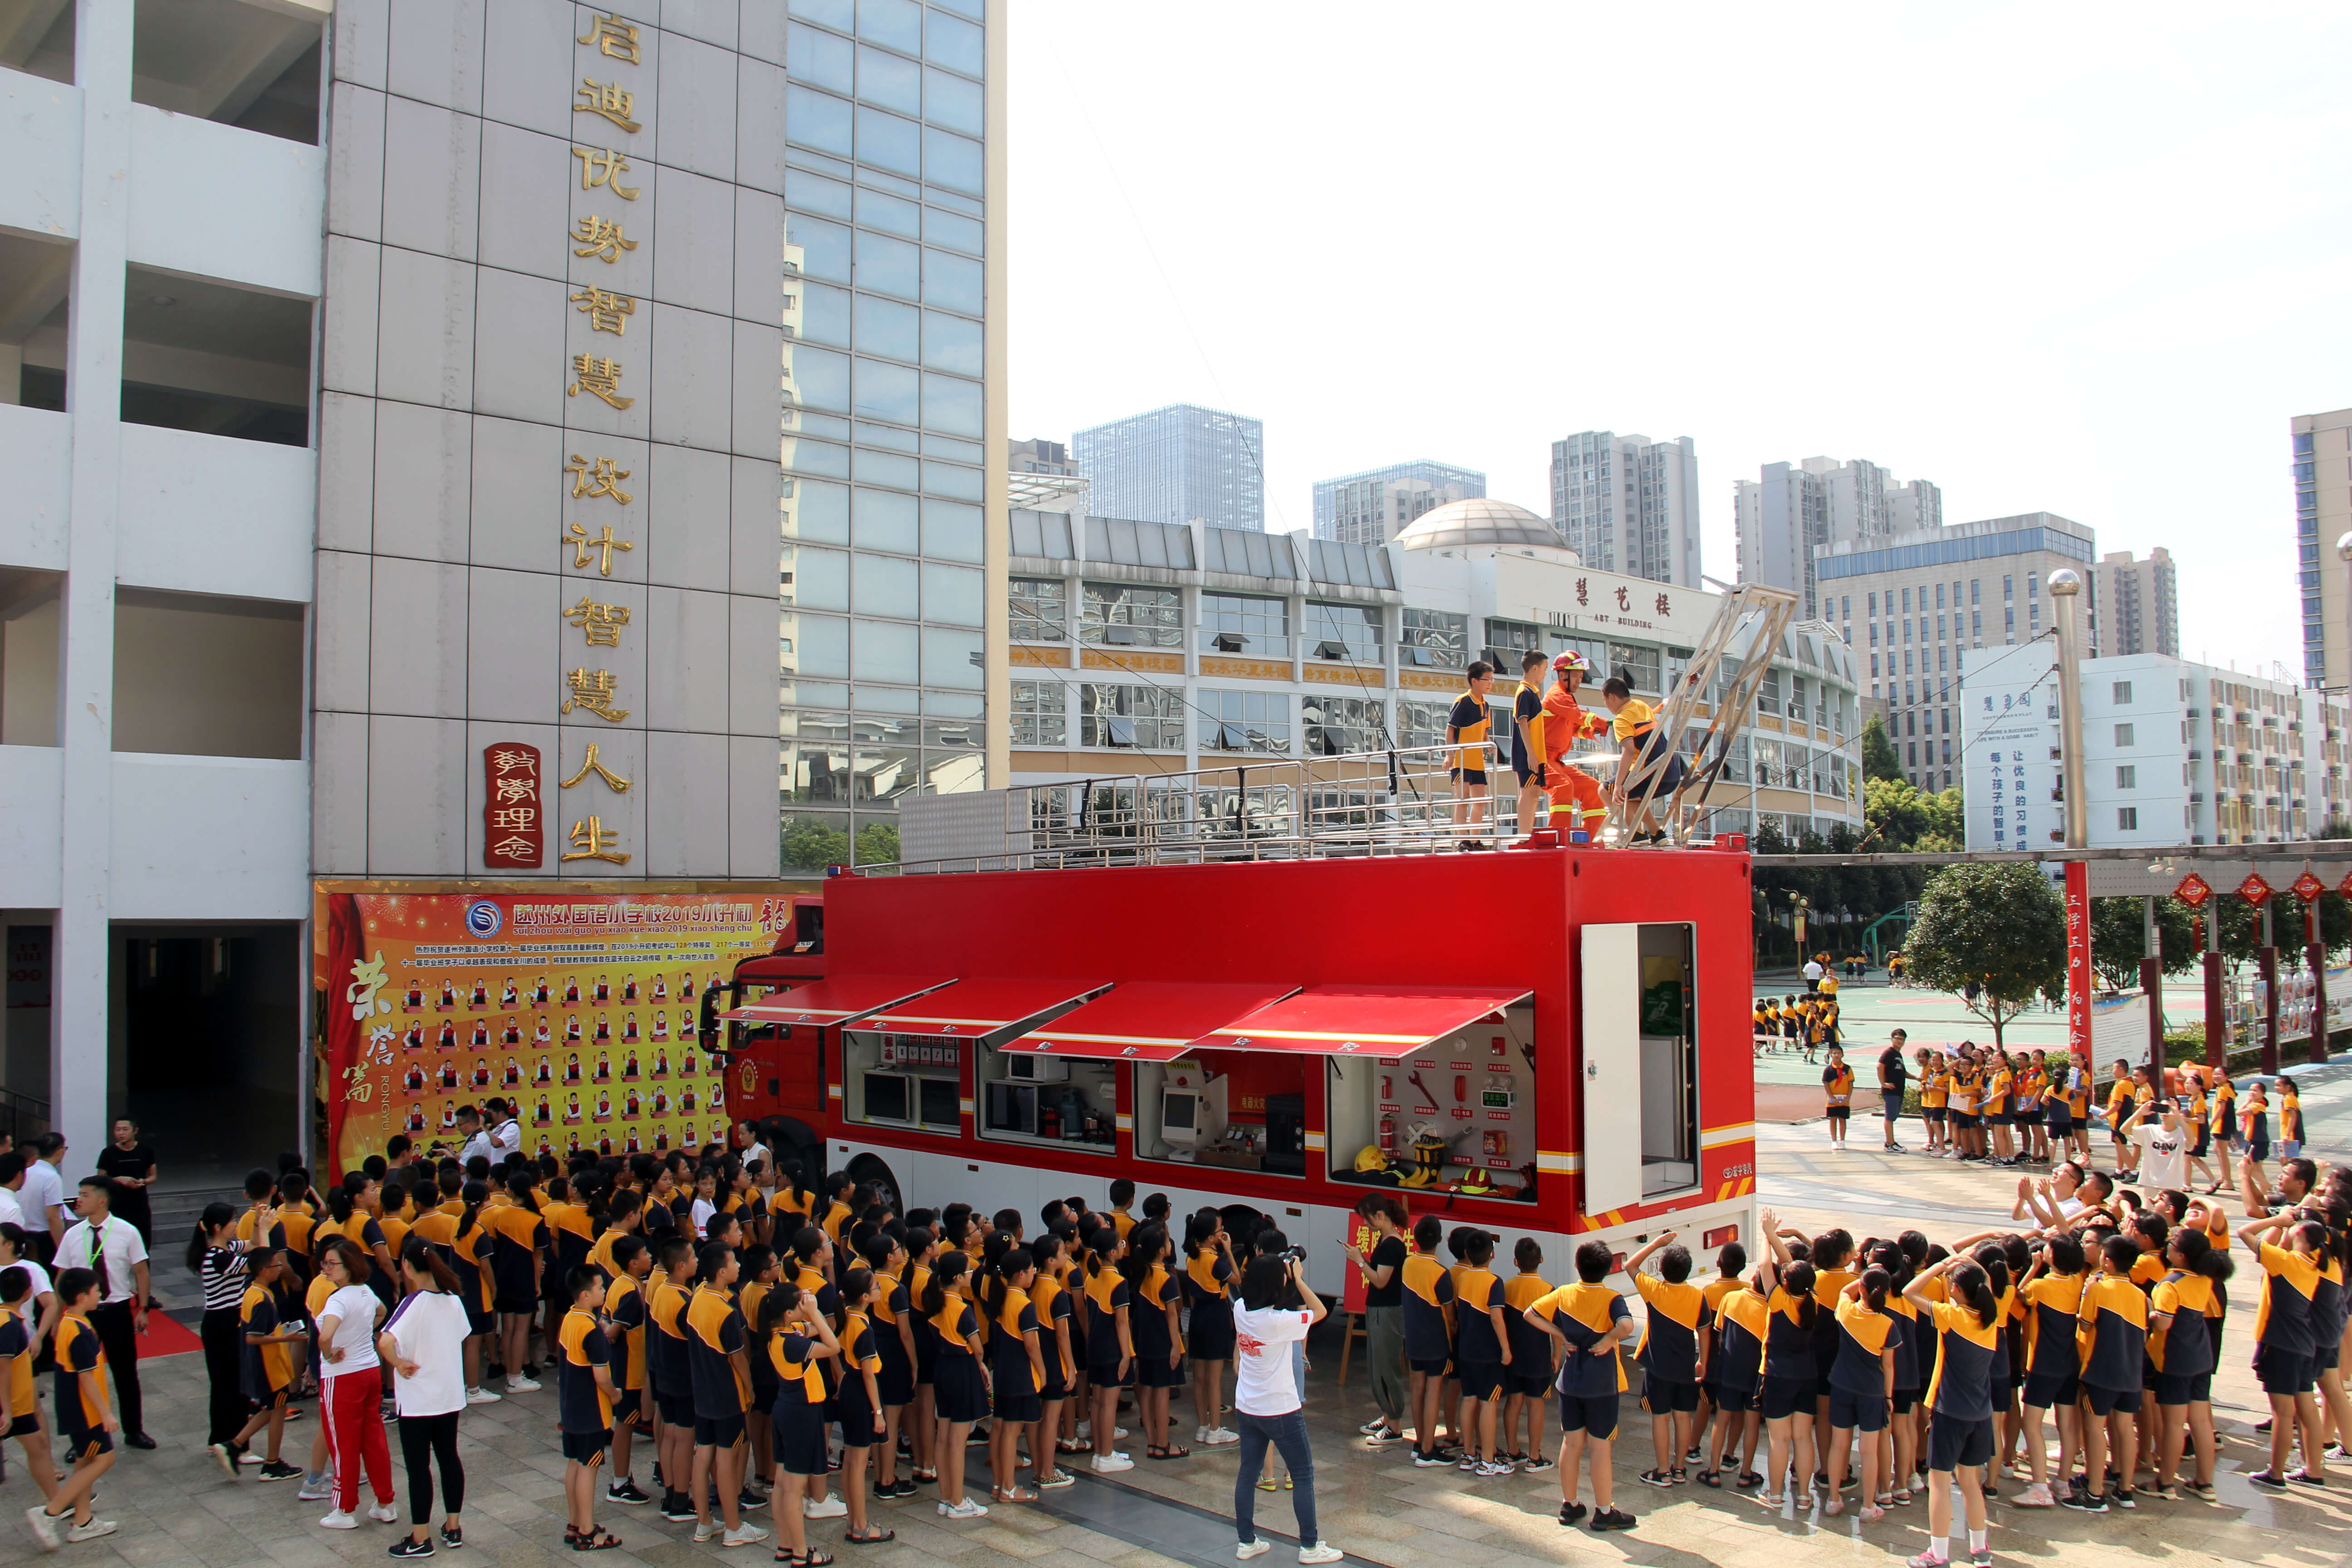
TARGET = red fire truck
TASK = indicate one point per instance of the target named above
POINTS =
(1548, 1041)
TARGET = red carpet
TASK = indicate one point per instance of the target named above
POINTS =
(167, 1336)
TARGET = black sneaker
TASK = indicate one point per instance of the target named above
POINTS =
(2270, 1480)
(409, 1546)
(452, 1537)
(678, 1507)
(748, 1499)
(2084, 1502)
(1429, 1459)
(2123, 1498)
(1569, 1512)
(2305, 1479)
(276, 1470)
(1612, 1519)
(624, 1492)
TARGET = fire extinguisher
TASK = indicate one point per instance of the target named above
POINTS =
(1388, 1135)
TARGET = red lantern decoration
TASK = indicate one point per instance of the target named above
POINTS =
(2308, 887)
(2253, 890)
(2195, 890)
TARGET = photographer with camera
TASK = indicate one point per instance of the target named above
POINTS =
(1266, 1404)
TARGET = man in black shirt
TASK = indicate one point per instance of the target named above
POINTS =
(1527, 739)
(1465, 728)
(1892, 1075)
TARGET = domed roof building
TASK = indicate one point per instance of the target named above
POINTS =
(1480, 521)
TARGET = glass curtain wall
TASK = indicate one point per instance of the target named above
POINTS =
(880, 639)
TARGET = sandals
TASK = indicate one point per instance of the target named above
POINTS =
(601, 1541)
(1711, 1479)
(1011, 1494)
(877, 1539)
(1169, 1452)
(1747, 1479)
(927, 1477)
(1071, 1446)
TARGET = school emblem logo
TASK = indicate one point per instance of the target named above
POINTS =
(483, 918)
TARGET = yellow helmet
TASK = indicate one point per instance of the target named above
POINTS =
(1369, 1159)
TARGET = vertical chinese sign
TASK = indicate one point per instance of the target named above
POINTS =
(513, 833)
(2078, 958)
(580, 1010)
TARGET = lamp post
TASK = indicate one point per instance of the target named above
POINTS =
(2066, 586)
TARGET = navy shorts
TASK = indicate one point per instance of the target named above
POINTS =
(2112, 1401)
(2184, 1387)
(624, 1405)
(1904, 1398)
(1932, 1113)
(798, 1432)
(1481, 1379)
(1593, 1414)
(717, 1431)
(587, 1447)
(1431, 1366)
(1661, 1395)
(2282, 1373)
(1785, 1396)
(1530, 1386)
(87, 1443)
(676, 1409)
(1016, 1408)
(1734, 1400)
(2047, 1391)
(2061, 1126)
(1857, 1412)
(1957, 1445)
(1106, 1375)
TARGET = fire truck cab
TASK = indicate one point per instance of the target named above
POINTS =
(1550, 1041)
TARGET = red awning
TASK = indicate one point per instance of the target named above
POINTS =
(837, 999)
(1147, 1020)
(970, 1007)
(1362, 1020)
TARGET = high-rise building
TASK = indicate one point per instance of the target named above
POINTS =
(1040, 457)
(1792, 508)
(1182, 463)
(1909, 604)
(1628, 504)
(2139, 604)
(1373, 512)
(1445, 482)
(2322, 511)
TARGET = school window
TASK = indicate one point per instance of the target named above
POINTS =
(1915, 752)
(901, 1081)
(2128, 775)
(1974, 597)
(1939, 602)
(1040, 710)
(1872, 599)
(2033, 587)
(2009, 588)
(1245, 722)
(1150, 717)
(1507, 640)
(1117, 614)
(1242, 623)
(1337, 726)
(1041, 609)
(1349, 633)
(1437, 639)
(1976, 623)
(2121, 693)
(1874, 633)
(2127, 819)
(2124, 735)
(1907, 608)
(1424, 723)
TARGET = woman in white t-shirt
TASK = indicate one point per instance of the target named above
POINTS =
(1265, 1399)
(351, 1405)
(425, 1345)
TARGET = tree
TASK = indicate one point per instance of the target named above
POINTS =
(2118, 941)
(877, 844)
(809, 844)
(1999, 928)
(1901, 817)
(1879, 759)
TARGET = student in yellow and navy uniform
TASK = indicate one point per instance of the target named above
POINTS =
(1483, 1346)
(1737, 1323)
(667, 1374)
(1837, 1086)
(859, 1402)
(759, 1274)
(1789, 1402)
(1209, 1331)
(1158, 1339)
(2288, 1331)
(20, 1396)
(715, 1339)
(268, 1361)
(1428, 1339)
(1635, 727)
(1467, 724)
(1110, 1345)
(1057, 1333)
(2182, 1352)
(1588, 1319)
(2114, 1336)
(1935, 1091)
(85, 1416)
(957, 1389)
(2052, 1297)
(797, 1340)
(630, 1261)
(1967, 1327)
(583, 1398)
(1670, 1354)
(1019, 1371)
(1529, 1376)
(886, 1260)
(1861, 1386)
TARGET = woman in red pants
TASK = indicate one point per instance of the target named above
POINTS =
(350, 1402)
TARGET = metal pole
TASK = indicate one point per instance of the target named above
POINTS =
(2151, 979)
(2316, 955)
(2270, 972)
(2066, 586)
(2217, 1021)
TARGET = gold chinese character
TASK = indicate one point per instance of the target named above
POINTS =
(598, 378)
(514, 849)
(591, 690)
(602, 167)
(589, 764)
(514, 762)
(614, 36)
(509, 791)
(606, 312)
(598, 478)
(513, 818)
(592, 840)
(582, 544)
(609, 100)
(603, 622)
(601, 237)
(362, 1092)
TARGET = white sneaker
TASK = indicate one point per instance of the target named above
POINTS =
(703, 1532)
(964, 1509)
(1249, 1549)
(1320, 1552)
(1086, 1429)
(481, 1397)
(1110, 1464)
(1217, 1436)
(320, 1493)
(831, 1508)
(44, 1526)
(382, 1513)
(338, 1519)
(250, 1458)
(745, 1534)
(520, 1384)
(92, 1531)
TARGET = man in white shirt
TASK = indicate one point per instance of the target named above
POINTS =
(2163, 1145)
(1813, 973)
(506, 1132)
(477, 1139)
(12, 1178)
(43, 1198)
(113, 1248)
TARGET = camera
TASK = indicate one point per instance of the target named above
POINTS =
(1292, 1254)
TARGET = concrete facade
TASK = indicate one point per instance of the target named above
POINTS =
(2140, 602)
(1626, 503)
(2320, 463)
(1781, 516)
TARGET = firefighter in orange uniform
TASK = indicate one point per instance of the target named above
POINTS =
(1565, 724)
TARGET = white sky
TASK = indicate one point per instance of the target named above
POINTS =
(2087, 259)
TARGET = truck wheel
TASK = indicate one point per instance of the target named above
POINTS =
(872, 1170)
(1242, 1223)
(795, 1143)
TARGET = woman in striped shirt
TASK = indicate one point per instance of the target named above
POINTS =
(217, 1258)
